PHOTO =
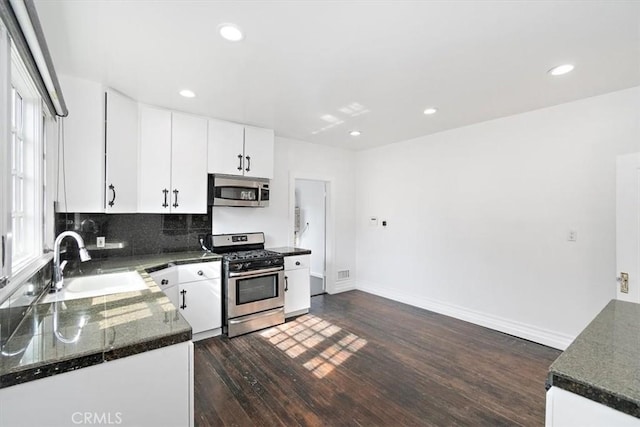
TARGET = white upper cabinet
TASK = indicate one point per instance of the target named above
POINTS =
(82, 167)
(172, 162)
(226, 147)
(154, 160)
(258, 152)
(121, 153)
(236, 149)
(188, 164)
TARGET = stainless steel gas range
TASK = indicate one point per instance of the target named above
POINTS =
(253, 283)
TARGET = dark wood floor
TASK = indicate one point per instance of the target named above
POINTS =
(358, 359)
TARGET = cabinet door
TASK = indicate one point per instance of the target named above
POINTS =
(188, 164)
(152, 388)
(82, 178)
(200, 304)
(154, 161)
(297, 296)
(121, 153)
(258, 152)
(226, 155)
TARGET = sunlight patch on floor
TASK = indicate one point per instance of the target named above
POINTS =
(305, 333)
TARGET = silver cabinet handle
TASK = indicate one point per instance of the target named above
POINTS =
(286, 283)
(248, 169)
(239, 162)
(200, 273)
(297, 262)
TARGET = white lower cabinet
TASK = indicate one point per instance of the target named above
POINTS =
(297, 295)
(153, 388)
(200, 304)
(196, 290)
(566, 409)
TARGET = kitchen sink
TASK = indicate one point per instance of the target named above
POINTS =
(97, 285)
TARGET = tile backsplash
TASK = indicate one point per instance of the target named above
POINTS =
(138, 234)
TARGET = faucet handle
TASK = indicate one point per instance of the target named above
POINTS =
(63, 264)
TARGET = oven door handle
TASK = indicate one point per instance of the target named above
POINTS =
(256, 272)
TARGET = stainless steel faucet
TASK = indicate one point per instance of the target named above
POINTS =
(57, 266)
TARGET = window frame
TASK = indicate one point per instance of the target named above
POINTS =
(32, 212)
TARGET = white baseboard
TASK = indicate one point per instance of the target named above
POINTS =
(342, 286)
(511, 327)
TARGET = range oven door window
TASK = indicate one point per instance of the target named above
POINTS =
(256, 289)
(252, 293)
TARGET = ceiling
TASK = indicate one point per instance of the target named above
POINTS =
(315, 70)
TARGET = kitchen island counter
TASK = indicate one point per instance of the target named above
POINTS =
(602, 362)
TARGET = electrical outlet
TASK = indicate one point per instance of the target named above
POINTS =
(572, 236)
(624, 283)
(100, 242)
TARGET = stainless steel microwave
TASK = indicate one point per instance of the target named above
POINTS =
(228, 190)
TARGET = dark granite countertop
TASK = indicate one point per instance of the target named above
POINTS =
(290, 251)
(602, 363)
(62, 336)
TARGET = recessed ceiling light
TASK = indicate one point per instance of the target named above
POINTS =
(230, 32)
(187, 93)
(354, 133)
(430, 111)
(561, 69)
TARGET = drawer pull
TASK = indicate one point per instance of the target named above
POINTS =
(164, 282)
(200, 273)
(297, 262)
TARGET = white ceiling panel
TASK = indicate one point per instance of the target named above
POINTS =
(315, 70)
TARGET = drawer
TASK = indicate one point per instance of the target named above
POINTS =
(199, 271)
(166, 277)
(296, 262)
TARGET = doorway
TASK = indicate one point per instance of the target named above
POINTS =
(310, 225)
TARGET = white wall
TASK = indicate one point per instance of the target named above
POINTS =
(479, 216)
(298, 159)
(310, 200)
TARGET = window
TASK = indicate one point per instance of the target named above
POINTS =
(17, 175)
(26, 180)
